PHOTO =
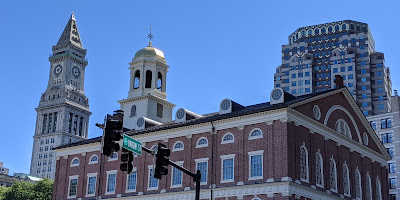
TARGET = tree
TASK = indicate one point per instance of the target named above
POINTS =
(27, 191)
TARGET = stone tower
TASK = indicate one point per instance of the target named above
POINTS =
(63, 111)
(147, 97)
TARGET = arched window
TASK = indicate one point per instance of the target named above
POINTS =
(358, 28)
(309, 32)
(378, 189)
(368, 189)
(336, 27)
(319, 172)
(358, 184)
(316, 31)
(149, 76)
(114, 156)
(342, 127)
(75, 162)
(351, 27)
(255, 134)
(344, 27)
(178, 146)
(332, 175)
(330, 29)
(346, 180)
(133, 111)
(202, 142)
(303, 164)
(228, 138)
(323, 30)
(93, 159)
(159, 81)
(136, 80)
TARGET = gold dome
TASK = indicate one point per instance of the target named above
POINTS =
(149, 52)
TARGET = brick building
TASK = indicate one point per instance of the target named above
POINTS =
(316, 146)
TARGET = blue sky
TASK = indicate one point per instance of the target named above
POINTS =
(215, 49)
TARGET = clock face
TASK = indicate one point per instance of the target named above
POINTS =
(180, 114)
(57, 70)
(225, 104)
(76, 72)
(140, 122)
(276, 94)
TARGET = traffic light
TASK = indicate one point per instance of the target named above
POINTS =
(161, 161)
(112, 134)
(126, 160)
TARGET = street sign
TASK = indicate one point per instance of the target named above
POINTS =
(132, 145)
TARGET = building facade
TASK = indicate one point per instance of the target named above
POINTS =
(387, 127)
(3, 170)
(315, 54)
(63, 111)
(317, 146)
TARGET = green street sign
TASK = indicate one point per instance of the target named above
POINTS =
(132, 145)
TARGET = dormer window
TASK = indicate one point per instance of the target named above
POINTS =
(342, 127)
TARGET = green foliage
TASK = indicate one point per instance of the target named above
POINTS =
(27, 191)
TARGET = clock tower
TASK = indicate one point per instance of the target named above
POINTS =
(63, 111)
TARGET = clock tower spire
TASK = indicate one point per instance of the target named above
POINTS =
(63, 111)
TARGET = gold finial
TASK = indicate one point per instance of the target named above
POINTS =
(150, 36)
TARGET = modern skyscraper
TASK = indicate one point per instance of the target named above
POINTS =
(315, 54)
(63, 111)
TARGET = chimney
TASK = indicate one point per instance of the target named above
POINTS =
(339, 81)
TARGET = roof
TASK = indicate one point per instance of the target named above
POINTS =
(262, 107)
(70, 34)
(149, 52)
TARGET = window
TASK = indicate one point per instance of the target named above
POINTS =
(363, 79)
(319, 172)
(373, 125)
(358, 184)
(91, 184)
(227, 138)
(364, 87)
(178, 146)
(350, 76)
(93, 159)
(52, 140)
(303, 164)
(342, 127)
(149, 76)
(390, 151)
(136, 81)
(380, 89)
(342, 69)
(256, 165)
(133, 111)
(227, 168)
(378, 189)
(363, 71)
(378, 65)
(387, 138)
(294, 83)
(39, 163)
(202, 142)
(386, 123)
(392, 167)
(381, 106)
(111, 182)
(306, 73)
(379, 73)
(153, 182)
(46, 148)
(392, 196)
(368, 189)
(332, 175)
(74, 162)
(202, 165)
(335, 70)
(364, 96)
(380, 98)
(72, 187)
(379, 81)
(364, 104)
(255, 134)
(176, 176)
(131, 183)
(159, 81)
(362, 63)
(392, 183)
(40, 156)
(159, 110)
(114, 156)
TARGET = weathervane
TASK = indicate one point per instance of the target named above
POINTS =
(150, 36)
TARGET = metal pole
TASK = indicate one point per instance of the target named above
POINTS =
(197, 179)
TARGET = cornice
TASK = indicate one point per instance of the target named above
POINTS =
(90, 147)
(316, 127)
(149, 96)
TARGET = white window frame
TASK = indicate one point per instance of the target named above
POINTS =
(321, 171)
(201, 160)
(87, 184)
(180, 163)
(69, 186)
(229, 141)
(201, 145)
(113, 159)
(378, 189)
(359, 181)
(72, 161)
(307, 180)
(178, 149)
(368, 184)
(255, 137)
(335, 174)
(256, 153)
(127, 181)
(348, 180)
(226, 157)
(93, 162)
(110, 173)
(150, 167)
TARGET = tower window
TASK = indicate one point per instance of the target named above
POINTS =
(80, 126)
(136, 80)
(149, 76)
(44, 124)
(70, 122)
(133, 111)
(159, 82)
(159, 110)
